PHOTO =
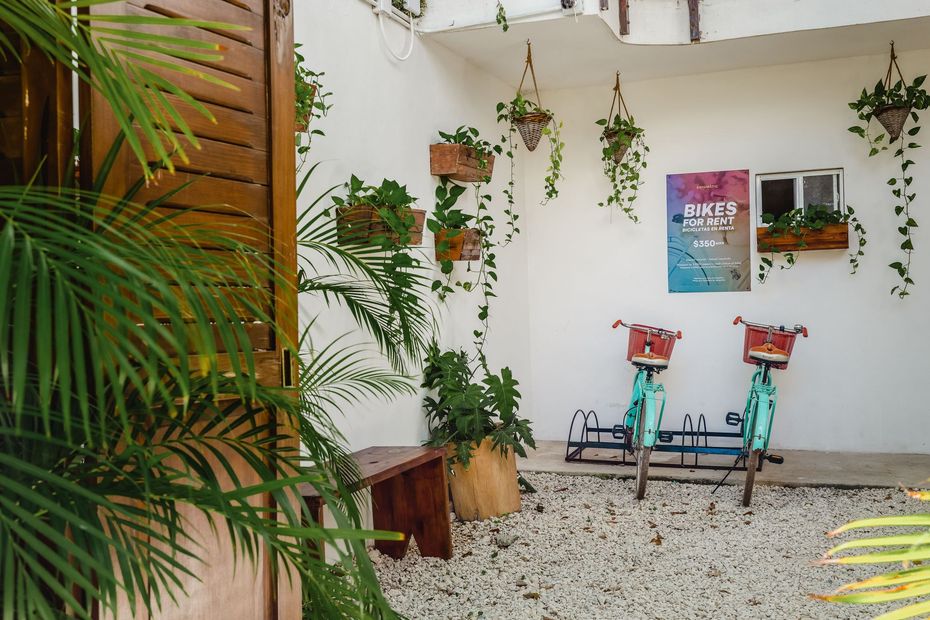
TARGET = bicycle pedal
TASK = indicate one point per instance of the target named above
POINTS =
(665, 436)
(775, 459)
(619, 432)
(734, 419)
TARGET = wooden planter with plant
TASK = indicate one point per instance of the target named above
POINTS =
(623, 155)
(476, 420)
(815, 228)
(456, 238)
(462, 156)
(310, 97)
(371, 215)
(892, 104)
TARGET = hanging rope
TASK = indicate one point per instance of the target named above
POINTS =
(893, 64)
(528, 66)
(618, 97)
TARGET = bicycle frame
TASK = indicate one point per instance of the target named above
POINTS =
(643, 399)
(760, 410)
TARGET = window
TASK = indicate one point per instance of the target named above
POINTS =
(785, 191)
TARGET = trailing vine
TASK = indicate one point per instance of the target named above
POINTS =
(311, 103)
(799, 223)
(502, 16)
(623, 155)
(892, 104)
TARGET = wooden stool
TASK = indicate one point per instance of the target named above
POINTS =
(409, 494)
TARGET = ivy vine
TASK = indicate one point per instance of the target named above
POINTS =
(892, 105)
(624, 158)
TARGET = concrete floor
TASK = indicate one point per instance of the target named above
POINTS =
(801, 468)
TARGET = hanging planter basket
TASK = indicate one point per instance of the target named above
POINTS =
(620, 146)
(531, 128)
(892, 118)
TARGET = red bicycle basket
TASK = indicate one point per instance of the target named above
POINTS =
(757, 336)
(661, 344)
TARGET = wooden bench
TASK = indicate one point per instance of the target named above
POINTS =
(409, 494)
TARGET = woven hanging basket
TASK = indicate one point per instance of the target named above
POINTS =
(892, 118)
(613, 137)
(531, 128)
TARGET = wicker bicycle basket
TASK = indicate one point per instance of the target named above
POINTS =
(892, 118)
(531, 128)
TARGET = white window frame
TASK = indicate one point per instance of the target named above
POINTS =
(798, 176)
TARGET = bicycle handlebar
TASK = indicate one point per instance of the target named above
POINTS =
(656, 330)
(797, 329)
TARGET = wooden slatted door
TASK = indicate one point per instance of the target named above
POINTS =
(242, 176)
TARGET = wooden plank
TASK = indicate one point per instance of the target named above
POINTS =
(11, 99)
(238, 93)
(230, 126)
(207, 193)
(256, 6)
(222, 160)
(246, 303)
(624, 17)
(214, 11)
(238, 58)
(242, 229)
(11, 137)
(694, 19)
(378, 463)
(259, 334)
(830, 237)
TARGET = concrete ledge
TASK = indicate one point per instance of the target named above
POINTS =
(801, 468)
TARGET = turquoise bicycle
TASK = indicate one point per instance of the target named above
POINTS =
(649, 350)
(768, 347)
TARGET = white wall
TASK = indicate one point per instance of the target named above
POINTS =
(855, 384)
(384, 116)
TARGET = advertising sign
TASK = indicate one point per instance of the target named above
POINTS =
(708, 232)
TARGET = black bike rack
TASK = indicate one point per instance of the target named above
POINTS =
(692, 442)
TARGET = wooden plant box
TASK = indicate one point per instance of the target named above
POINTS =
(830, 237)
(464, 246)
(362, 223)
(488, 488)
(458, 162)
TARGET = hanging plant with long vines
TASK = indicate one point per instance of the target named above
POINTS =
(623, 155)
(891, 105)
(533, 122)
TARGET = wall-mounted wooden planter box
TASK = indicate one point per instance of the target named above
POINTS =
(464, 246)
(458, 162)
(362, 223)
(830, 237)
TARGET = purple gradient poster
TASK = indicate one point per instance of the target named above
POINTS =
(708, 232)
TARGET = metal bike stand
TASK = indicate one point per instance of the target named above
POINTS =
(691, 441)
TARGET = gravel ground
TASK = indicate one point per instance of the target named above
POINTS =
(583, 548)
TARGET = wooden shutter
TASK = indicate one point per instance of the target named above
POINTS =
(244, 176)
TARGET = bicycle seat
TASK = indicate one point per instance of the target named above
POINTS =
(650, 359)
(768, 352)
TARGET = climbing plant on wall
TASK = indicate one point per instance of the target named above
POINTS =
(892, 104)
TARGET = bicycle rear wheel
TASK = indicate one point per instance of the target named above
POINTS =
(752, 464)
(642, 460)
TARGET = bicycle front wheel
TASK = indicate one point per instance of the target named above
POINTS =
(752, 464)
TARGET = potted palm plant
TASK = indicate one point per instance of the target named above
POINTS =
(378, 214)
(476, 420)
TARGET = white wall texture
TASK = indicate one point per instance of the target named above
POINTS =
(384, 116)
(855, 384)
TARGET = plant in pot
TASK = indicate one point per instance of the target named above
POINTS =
(532, 121)
(476, 421)
(311, 102)
(378, 215)
(816, 228)
(462, 156)
(891, 104)
(623, 154)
